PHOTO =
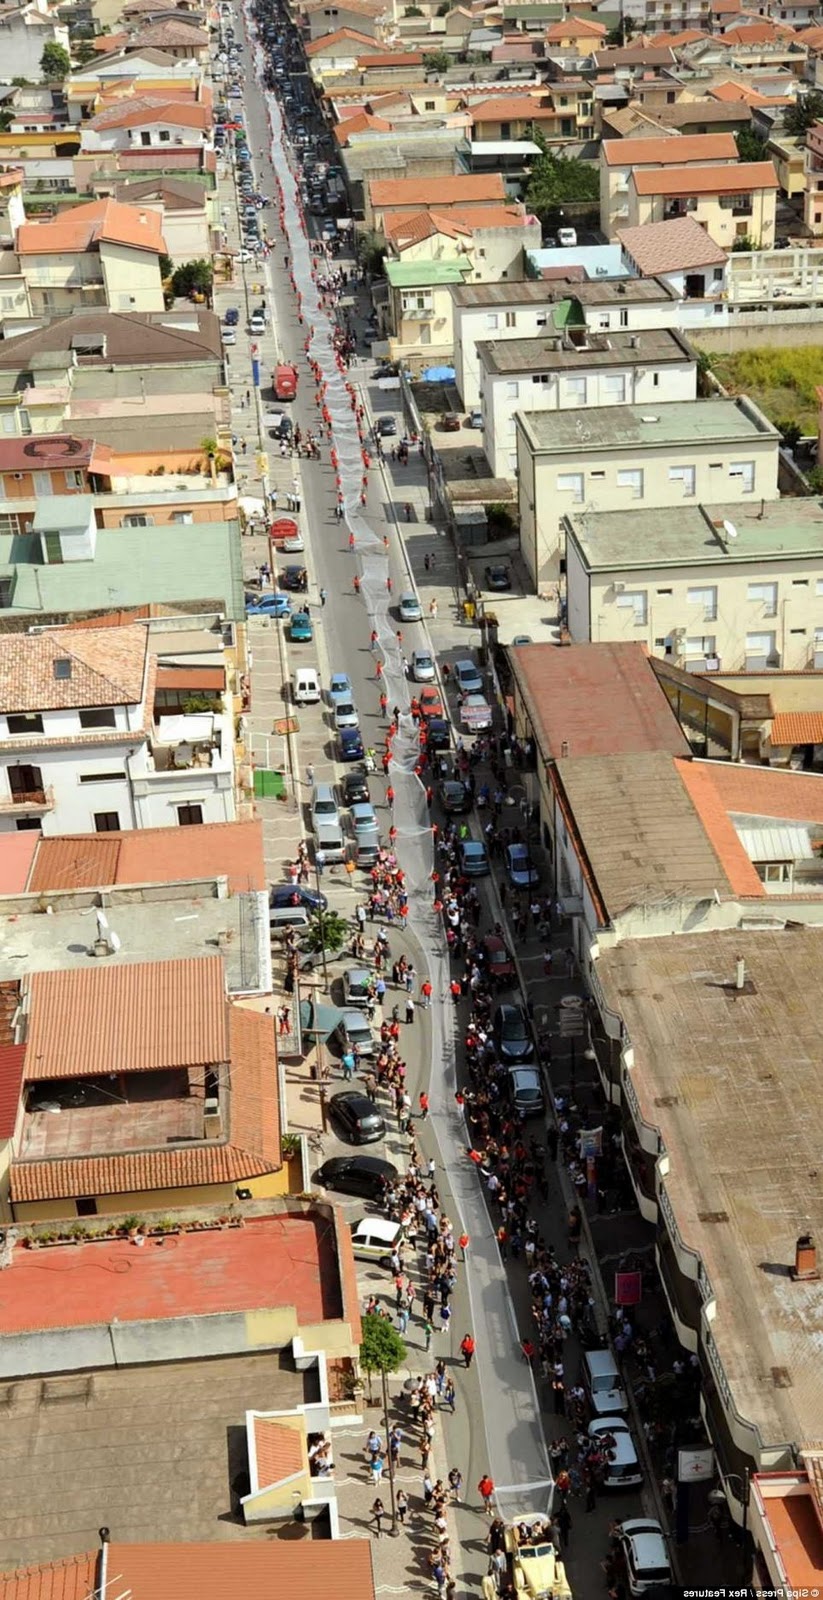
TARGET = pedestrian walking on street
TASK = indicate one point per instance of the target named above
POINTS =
(310, 775)
(467, 1348)
(427, 1336)
(409, 1008)
(485, 1489)
(463, 1242)
(423, 1102)
(425, 993)
(450, 1395)
(322, 597)
(378, 1511)
(402, 1504)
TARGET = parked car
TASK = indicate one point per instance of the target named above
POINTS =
(566, 237)
(498, 576)
(475, 418)
(357, 987)
(450, 422)
(367, 1176)
(345, 715)
(476, 713)
(228, 336)
(386, 427)
(499, 963)
(622, 1468)
(300, 628)
(468, 677)
(340, 688)
(511, 1032)
(410, 608)
(353, 1029)
(268, 605)
(351, 745)
(231, 317)
(356, 1117)
(374, 1239)
(643, 1544)
(363, 818)
(323, 806)
(295, 579)
(439, 732)
(455, 797)
(355, 789)
(473, 858)
(526, 1090)
(519, 867)
(422, 666)
(257, 325)
(290, 894)
(430, 702)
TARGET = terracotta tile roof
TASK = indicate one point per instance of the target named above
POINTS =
(145, 855)
(405, 228)
(400, 58)
(768, 791)
(797, 727)
(761, 32)
(191, 677)
(511, 108)
(86, 227)
(679, 245)
(674, 151)
(812, 38)
(162, 35)
(149, 109)
(698, 781)
(12, 1063)
(71, 1579)
(251, 1150)
(144, 1016)
(337, 37)
(706, 180)
(362, 8)
(385, 193)
(360, 122)
(212, 1571)
(688, 36)
(53, 451)
(107, 668)
(279, 1449)
(17, 852)
(575, 27)
(635, 56)
(598, 699)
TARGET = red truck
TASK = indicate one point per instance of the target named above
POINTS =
(284, 381)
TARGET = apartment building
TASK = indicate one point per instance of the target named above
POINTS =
(86, 746)
(813, 171)
(619, 158)
(680, 253)
(502, 311)
(731, 202)
(725, 587)
(99, 254)
(574, 371)
(25, 30)
(629, 458)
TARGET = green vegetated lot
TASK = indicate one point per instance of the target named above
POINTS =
(781, 382)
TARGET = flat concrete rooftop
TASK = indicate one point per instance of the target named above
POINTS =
(640, 428)
(629, 291)
(148, 929)
(283, 1260)
(693, 535)
(732, 1081)
(652, 346)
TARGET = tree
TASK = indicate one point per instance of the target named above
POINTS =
(382, 1350)
(84, 52)
(166, 267)
(193, 277)
(750, 146)
(437, 61)
(560, 180)
(55, 62)
(327, 931)
(621, 35)
(807, 109)
(371, 253)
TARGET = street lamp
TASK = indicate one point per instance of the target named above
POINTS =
(394, 1529)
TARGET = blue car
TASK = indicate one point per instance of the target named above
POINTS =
(300, 628)
(268, 605)
(289, 894)
(473, 858)
(519, 867)
(351, 745)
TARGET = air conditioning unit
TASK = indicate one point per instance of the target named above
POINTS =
(211, 1106)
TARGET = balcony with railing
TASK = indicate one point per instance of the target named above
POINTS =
(37, 798)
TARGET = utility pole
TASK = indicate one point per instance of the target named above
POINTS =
(394, 1529)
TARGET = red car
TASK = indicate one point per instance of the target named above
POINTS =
(430, 702)
(498, 960)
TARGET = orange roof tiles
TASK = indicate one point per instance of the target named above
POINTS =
(511, 108)
(190, 1167)
(279, 1450)
(794, 1523)
(213, 1571)
(72, 1579)
(407, 228)
(360, 122)
(797, 727)
(598, 699)
(105, 668)
(575, 27)
(145, 855)
(679, 151)
(698, 781)
(140, 1017)
(133, 113)
(706, 180)
(769, 792)
(385, 193)
(12, 1063)
(679, 245)
(86, 227)
(17, 852)
(401, 58)
(339, 34)
(255, 1108)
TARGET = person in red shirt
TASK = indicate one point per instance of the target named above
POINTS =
(463, 1242)
(485, 1489)
(423, 1102)
(425, 993)
(467, 1349)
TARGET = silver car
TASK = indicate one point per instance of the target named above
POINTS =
(422, 667)
(410, 608)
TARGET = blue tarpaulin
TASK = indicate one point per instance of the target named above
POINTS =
(438, 375)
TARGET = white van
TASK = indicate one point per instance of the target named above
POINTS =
(604, 1383)
(374, 1238)
(306, 686)
(329, 841)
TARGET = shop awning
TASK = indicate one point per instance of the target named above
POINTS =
(317, 1019)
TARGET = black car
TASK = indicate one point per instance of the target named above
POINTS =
(511, 1032)
(439, 733)
(294, 578)
(359, 1121)
(454, 796)
(498, 577)
(386, 427)
(387, 369)
(355, 789)
(362, 1175)
(283, 894)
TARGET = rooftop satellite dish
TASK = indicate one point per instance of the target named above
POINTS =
(102, 922)
(730, 530)
(114, 941)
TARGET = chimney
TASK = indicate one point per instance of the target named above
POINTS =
(805, 1259)
(740, 974)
